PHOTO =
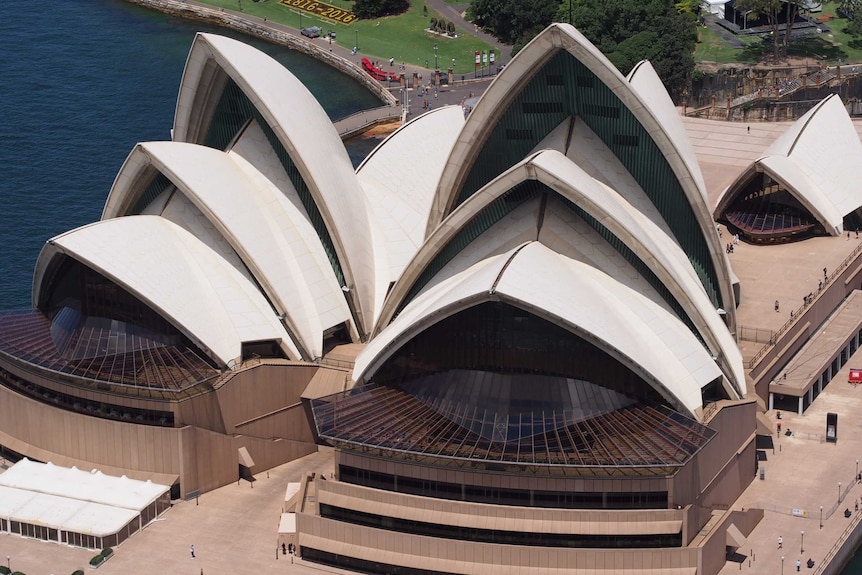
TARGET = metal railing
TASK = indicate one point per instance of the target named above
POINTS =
(356, 122)
(830, 555)
(755, 334)
(797, 313)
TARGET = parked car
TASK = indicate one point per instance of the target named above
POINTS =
(312, 32)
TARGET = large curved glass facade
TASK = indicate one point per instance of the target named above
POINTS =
(497, 385)
(90, 327)
(764, 211)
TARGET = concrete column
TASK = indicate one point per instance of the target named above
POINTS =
(799, 409)
(810, 395)
(771, 401)
(820, 385)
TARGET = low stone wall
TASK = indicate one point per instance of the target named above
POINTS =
(259, 28)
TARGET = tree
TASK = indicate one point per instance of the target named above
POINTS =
(774, 11)
(628, 31)
(377, 8)
(852, 10)
(514, 22)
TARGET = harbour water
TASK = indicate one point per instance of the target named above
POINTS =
(81, 82)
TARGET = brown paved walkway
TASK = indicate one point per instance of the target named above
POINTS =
(234, 530)
(803, 472)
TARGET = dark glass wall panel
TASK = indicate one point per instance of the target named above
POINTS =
(565, 87)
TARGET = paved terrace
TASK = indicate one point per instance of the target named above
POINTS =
(785, 272)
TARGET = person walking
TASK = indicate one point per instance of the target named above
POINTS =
(192, 551)
(776, 305)
(780, 541)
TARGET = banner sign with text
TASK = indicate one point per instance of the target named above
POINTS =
(323, 10)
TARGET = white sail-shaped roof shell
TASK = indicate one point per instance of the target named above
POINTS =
(818, 160)
(649, 243)
(646, 82)
(400, 177)
(631, 328)
(271, 234)
(179, 277)
(649, 112)
(310, 139)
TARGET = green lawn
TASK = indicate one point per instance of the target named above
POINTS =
(713, 48)
(832, 48)
(402, 37)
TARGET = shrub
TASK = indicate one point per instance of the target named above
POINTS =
(107, 552)
(450, 27)
(96, 559)
(78, 572)
(4, 570)
(433, 23)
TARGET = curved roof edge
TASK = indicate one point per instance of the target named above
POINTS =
(311, 141)
(510, 82)
(625, 324)
(659, 252)
(645, 80)
(818, 160)
(180, 278)
(399, 178)
(252, 217)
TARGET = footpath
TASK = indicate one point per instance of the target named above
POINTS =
(456, 92)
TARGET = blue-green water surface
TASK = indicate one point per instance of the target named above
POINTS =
(81, 82)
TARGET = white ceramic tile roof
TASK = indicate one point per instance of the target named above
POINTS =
(313, 144)
(648, 241)
(591, 154)
(258, 221)
(253, 154)
(627, 325)
(178, 276)
(818, 159)
(659, 251)
(400, 177)
(503, 91)
(652, 91)
(824, 145)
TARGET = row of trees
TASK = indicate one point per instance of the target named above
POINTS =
(626, 31)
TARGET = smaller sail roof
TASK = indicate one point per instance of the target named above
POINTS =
(818, 160)
(176, 274)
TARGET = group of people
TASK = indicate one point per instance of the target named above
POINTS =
(728, 248)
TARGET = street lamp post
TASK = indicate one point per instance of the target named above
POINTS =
(356, 34)
(839, 492)
(9, 562)
(821, 517)
(801, 542)
(782, 565)
(436, 67)
(857, 468)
